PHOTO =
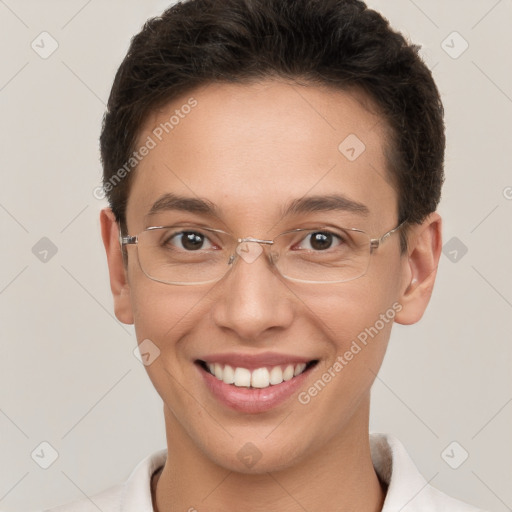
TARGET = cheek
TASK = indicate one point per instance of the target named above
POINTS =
(158, 308)
(166, 316)
(162, 312)
(346, 310)
(356, 321)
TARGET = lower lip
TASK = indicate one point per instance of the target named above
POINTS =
(252, 400)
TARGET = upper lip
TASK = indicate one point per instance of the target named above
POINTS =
(254, 361)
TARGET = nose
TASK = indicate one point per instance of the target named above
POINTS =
(252, 299)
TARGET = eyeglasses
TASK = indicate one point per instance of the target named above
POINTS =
(186, 255)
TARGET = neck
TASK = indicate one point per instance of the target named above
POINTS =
(340, 475)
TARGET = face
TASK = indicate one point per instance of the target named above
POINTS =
(251, 150)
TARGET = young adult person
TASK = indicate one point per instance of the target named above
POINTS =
(273, 169)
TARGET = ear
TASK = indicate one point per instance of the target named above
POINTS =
(118, 273)
(420, 269)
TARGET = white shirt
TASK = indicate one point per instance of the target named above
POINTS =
(407, 490)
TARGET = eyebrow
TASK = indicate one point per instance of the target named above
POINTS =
(308, 204)
(182, 203)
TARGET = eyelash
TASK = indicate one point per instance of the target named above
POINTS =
(205, 237)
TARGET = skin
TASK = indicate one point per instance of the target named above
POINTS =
(250, 149)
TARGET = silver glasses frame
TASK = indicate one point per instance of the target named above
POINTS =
(375, 243)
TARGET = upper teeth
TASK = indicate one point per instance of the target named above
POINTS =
(259, 378)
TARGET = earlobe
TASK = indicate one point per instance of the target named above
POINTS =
(420, 269)
(117, 271)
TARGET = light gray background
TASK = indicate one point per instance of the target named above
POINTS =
(68, 375)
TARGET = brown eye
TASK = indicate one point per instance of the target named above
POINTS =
(188, 240)
(192, 241)
(320, 240)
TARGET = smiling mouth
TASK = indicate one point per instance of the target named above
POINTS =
(259, 378)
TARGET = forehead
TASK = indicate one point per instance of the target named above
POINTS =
(252, 148)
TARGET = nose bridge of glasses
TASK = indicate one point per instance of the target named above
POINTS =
(258, 240)
(250, 252)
